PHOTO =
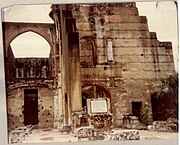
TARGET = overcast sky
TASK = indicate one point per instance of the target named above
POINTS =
(162, 19)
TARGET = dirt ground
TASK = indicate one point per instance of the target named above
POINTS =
(52, 135)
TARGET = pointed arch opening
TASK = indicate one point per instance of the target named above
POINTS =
(30, 44)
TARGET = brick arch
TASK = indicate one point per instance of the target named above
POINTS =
(12, 30)
(107, 92)
(100, 86)
(90, 46)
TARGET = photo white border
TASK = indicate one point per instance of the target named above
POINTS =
(3, 111)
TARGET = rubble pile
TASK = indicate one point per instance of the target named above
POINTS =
(123, 135)
(135, 123)
(101, 120)
(65, 129)
(19, 134)
(130, 122)
(84, 132)
(170, 125)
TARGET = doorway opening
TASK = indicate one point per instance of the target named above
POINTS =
(30, 107)
(136, 108)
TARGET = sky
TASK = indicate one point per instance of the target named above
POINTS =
(162, 19)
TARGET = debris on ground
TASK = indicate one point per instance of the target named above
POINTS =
(123, 135)
(19, 134)
(170, 125)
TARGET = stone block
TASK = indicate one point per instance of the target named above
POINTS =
(83, 33)
(142, 52)
(84, 132)
(128, 34)
(127, 11)
(133, 67)
(126, 27)
(157, 66)
(126, 19)
(123, 135)
(153, 35)
(19, 134)
(65, 128)
(126, 59)
(157, 58)
(130, 43)
(138, 75)
(119, 123)
(83, 26)
(170, 125)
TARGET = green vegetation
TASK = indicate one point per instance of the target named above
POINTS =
(145, 113)
(166, 100)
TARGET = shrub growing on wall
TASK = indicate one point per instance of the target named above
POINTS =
(165, 102)
(145, 114)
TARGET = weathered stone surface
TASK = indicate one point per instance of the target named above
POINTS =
(170, 125)
(130, 42)
(139, 60)
(19, 134)
(65, 128)
(116, 27)
(123, 136)
(16, 107)
(101, 121)
(123, 19)
(84, 132)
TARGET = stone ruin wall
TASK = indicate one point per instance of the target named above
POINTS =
(139, 58)
(16, 105)
(30, 73)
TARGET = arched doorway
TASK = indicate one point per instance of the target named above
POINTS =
(93, 92)
(96, 103)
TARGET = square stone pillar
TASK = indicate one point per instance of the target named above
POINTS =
(74, 72)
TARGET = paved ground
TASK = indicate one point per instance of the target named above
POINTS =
(52, 135)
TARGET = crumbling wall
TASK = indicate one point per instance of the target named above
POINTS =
(36, 68)
(28, 73)
(10, 64)
(16, 106)
(15, 103)
(46, 108)
(139, 59)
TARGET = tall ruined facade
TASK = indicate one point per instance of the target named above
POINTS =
(119, 58)
(103, 51)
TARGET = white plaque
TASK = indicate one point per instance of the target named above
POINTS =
(99, 106)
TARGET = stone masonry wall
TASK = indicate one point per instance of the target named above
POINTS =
(16, 105)
(139, 58)
(46, 108)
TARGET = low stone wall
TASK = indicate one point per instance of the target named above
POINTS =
(170, 125)
(130, 123)
(65, 129)
(19, 134)
(84, 132)
(94, 134)
(123, 135)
